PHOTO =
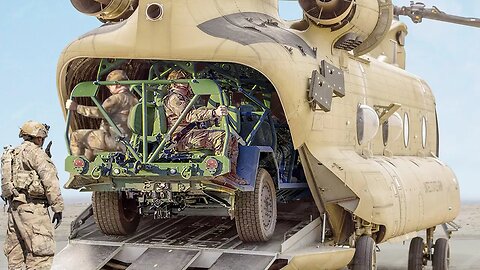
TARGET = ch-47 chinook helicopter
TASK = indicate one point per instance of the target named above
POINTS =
(331, 127)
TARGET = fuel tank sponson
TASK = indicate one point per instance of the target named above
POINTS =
(106, 10)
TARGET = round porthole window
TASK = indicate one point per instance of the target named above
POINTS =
(154, 12)
(424, 132)
(406, 129)
(392, 129)
(367, 124)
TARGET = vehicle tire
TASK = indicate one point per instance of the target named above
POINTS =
(415, 254)
(256, 211)
(365, 257)
(441, 254)
(114, 213)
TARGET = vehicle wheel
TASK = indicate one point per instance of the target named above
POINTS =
(415, 254)
(115, 214)
(365, 257)
(256, 211)
(441, 254)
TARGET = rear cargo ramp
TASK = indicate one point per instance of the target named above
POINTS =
(201, 242)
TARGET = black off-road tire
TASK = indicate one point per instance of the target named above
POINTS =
(441, 254)
(365, 257)
(415, 254)
(114, 213)
(256, 211)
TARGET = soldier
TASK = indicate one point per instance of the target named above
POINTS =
(88, 141)
(30, 184)
(187, 136)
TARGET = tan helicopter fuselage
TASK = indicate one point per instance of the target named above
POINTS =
(397, 185)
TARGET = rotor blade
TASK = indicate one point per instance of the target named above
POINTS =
(417, 11)
(436, 14)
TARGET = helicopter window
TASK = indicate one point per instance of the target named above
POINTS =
(392, 129)
(424, 132)
(406, 129)
(154, 12)
(367, 124)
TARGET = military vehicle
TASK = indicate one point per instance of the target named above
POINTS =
(338, 143)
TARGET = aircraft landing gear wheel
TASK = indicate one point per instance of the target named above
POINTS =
(114, 213)
(441, 254)
(416, 259)
(256, 211)
(365, 257)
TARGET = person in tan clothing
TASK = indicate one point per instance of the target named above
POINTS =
(88, 141)
(34, 185)
(188, 138)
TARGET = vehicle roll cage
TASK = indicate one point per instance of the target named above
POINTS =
(200, 88)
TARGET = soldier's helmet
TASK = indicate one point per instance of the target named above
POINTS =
(117, 75)
(34, 129)
(178, 75)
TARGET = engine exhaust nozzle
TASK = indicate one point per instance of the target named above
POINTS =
(106, 10)
(327, 12)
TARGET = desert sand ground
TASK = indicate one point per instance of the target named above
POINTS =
(464, 243)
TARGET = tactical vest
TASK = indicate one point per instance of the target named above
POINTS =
(15, 179)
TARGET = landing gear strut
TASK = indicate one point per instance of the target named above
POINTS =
(421, 252)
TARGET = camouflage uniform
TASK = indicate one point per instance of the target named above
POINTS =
(33, 213)
(175, 104)
(103, 139)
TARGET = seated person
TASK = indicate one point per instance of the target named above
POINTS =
(88, 141)
(189, 137)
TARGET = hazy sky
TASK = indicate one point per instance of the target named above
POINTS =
(33, 33)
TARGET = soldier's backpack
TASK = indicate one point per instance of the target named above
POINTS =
(15, 179)
(8, 189)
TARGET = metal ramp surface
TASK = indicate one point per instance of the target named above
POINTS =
(190, 232)
(188, 242)
(165, 259)
(231, 261)
(84, 256)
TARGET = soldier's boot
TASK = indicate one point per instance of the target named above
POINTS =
(229, 180)
(233, 176)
